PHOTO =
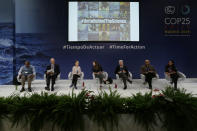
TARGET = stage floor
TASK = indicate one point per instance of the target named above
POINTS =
(62, 87)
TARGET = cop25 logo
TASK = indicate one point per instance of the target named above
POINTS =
(184, 10)
(180, 18)
(177, 20)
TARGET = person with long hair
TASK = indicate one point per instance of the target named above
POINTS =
(76, 72)
(98, 72)
(171, 71)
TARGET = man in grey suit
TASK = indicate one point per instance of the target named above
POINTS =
(149, 72)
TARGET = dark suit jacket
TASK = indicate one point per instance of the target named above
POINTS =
(99, 69)
(170, 68)
(144, 69)
(56, 69)
(124, 68)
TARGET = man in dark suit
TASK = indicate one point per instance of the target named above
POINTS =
(52, 71)
(123, 73)
(149, 72)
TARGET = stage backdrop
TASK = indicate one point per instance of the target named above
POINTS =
(37, 30)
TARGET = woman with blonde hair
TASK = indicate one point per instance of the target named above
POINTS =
(76, 72)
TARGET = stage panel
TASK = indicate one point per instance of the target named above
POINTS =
(62, 87)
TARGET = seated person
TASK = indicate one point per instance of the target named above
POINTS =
(26, 73)
(171, 71)
(76, 72)
(123, 73)
(149, 72)
(98, 72)
(52, 71)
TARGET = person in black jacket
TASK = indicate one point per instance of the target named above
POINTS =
(123, 73)
(171, 71)
(52, 71)
(98, 72)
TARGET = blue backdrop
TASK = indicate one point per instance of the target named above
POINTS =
(37, 30)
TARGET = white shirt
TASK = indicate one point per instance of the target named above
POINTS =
(21, 69)
(52, 67)
(76, 70)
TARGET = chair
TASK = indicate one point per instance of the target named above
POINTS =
(142, 76)
(181, 78)
(120, 80)
(58, 77)
(130, 76)
(19, 79)
(70, 77)
(97, 80)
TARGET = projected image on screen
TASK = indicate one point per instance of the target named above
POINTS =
(103, 21)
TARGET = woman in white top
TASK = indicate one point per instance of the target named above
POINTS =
(76, 72)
